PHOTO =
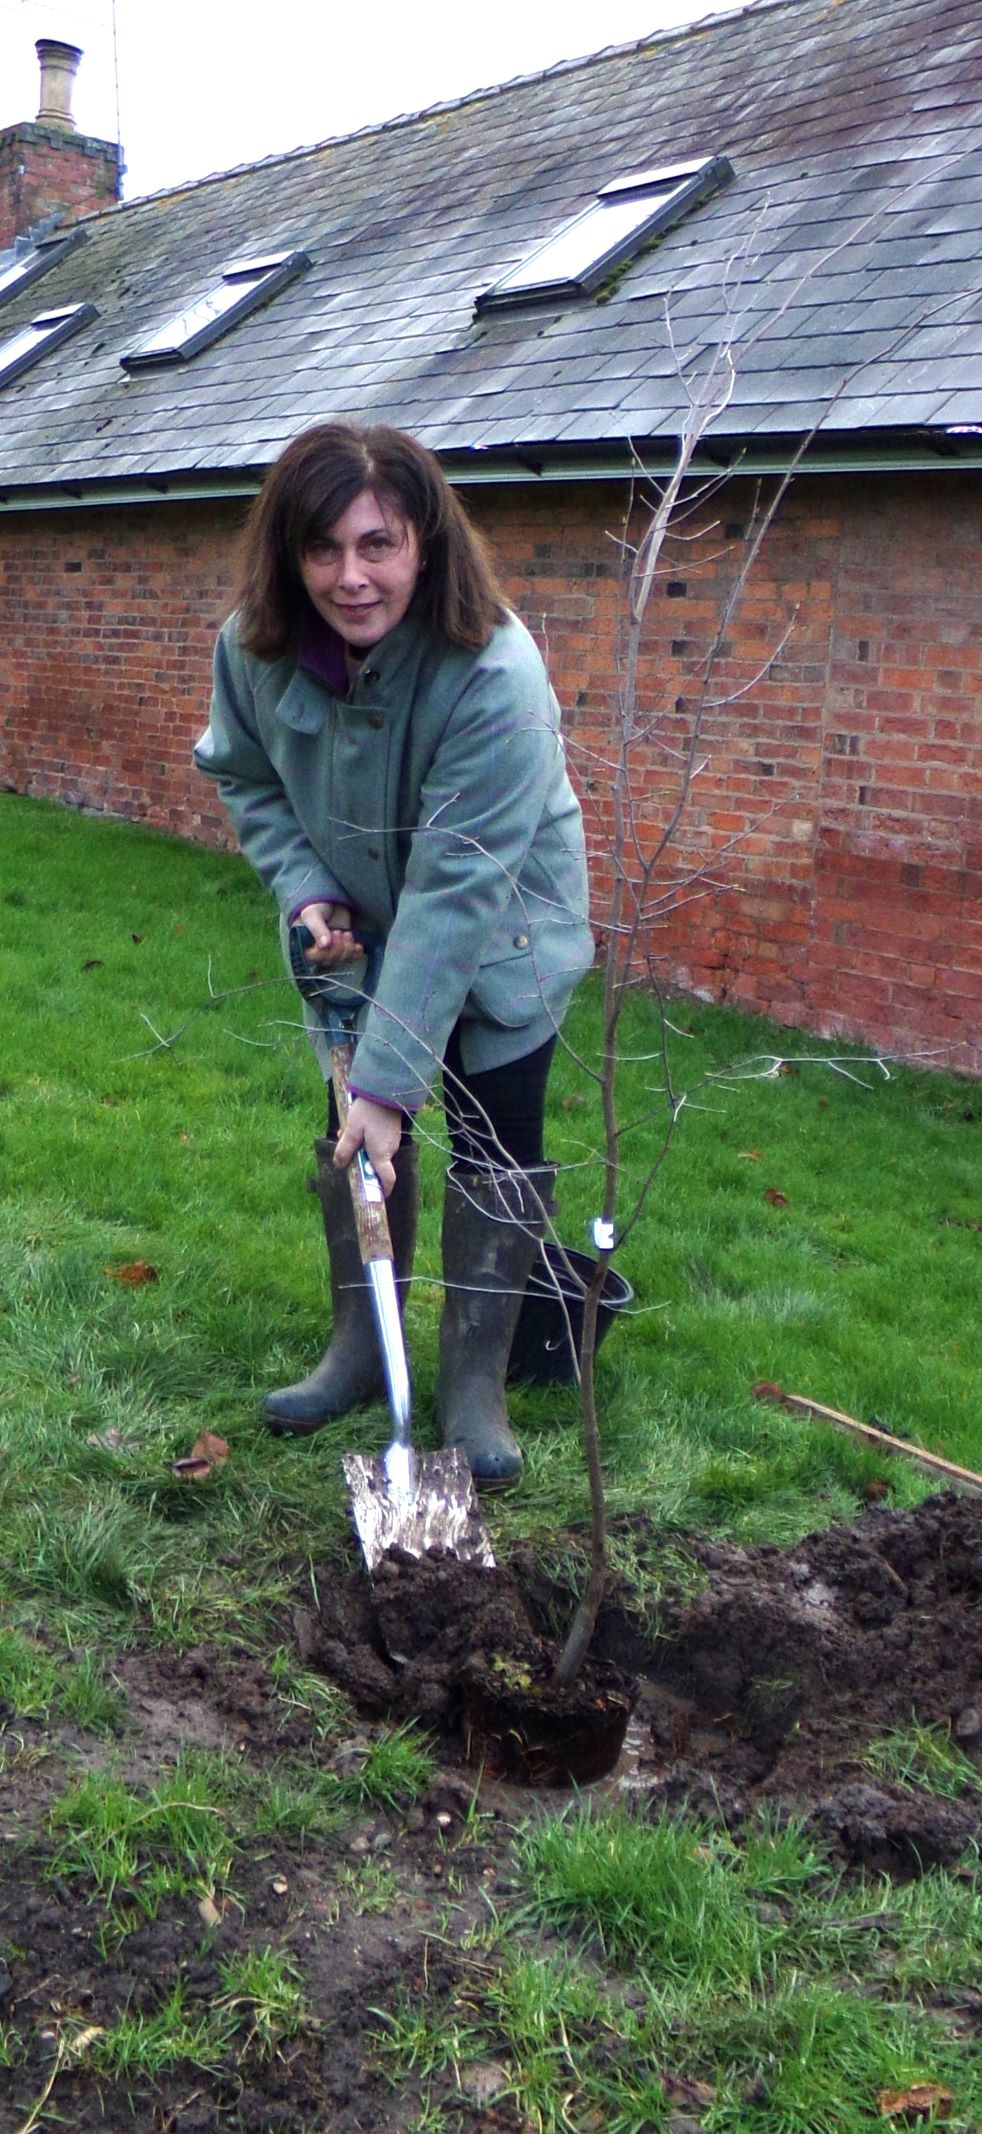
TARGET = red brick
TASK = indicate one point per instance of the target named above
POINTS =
(820, 909)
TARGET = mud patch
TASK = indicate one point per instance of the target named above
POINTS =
(774, 1683)
(766, 1688)
(771, 1685)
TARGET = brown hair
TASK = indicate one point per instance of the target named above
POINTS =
(314, 480)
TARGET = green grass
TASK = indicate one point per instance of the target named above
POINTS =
(71, 1686)
(157, 1106)
(130, 1850)
(926, 1757)
(263, 1991)
(742, 1973)
(192, 1157)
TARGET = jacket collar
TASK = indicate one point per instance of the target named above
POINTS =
(321, 654)
(320, 662)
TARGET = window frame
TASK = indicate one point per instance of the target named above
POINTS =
(37, 260)
(262, 277)
(61, 325)
(675, 190)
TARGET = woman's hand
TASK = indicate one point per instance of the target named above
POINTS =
(378, 1131)
(330, 925)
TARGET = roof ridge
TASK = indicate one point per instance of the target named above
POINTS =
(671, 34)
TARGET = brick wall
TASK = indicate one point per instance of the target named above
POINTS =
(107, 623)
(48, 169)
(827, 867)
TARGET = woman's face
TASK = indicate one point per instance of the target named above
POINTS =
(362, 576)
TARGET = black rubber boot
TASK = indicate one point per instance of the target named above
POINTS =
(492, 1223)
(349, 1374)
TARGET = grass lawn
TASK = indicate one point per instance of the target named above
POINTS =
(161, 1265)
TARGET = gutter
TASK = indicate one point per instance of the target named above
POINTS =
(925, 452)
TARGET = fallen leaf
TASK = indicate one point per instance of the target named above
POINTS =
(93, 963)
(879, 1487)
(209, 1446)
(133, 1273)
(208, 1452)
(777, 1200)
(84, 2038)
(483, 2081)
(209, 1912)
(917, 2102)
(111, 1440)
(137, 938)
(765, 1389)
(749, 1156)
(683, 2089)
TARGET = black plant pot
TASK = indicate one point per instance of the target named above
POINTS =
(541, 1354)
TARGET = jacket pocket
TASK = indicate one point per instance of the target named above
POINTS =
(506, 989)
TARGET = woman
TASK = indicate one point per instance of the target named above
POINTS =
(387, 745)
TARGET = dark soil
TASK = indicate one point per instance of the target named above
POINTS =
(455, 1645)
(767, 1687)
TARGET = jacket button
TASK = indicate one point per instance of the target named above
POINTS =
(374, 853)
(370, 674)
(376, 721)
(521, 940)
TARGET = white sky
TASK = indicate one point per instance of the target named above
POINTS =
(204, 84)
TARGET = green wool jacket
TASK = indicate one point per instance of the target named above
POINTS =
(434, 799)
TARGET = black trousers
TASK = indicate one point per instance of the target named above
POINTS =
(502, 1109)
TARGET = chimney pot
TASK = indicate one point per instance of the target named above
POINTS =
(59, 65)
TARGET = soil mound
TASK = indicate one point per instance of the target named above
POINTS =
(453, 1644)
(771, 1685)
(789, 1666)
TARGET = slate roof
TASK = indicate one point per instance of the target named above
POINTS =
(843, 262)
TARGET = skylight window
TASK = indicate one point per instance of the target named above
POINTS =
(241, 288)
(48, 330)
(626, 214)
(29, 264)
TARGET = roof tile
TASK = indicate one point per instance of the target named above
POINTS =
(855, 133)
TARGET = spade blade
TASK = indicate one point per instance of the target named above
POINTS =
(439, 1510)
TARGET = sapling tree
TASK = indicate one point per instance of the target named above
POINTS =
(631, 873)
(642, 879)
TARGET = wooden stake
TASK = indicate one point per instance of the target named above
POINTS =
(799, 1404)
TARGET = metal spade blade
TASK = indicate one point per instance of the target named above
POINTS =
(437, 1509)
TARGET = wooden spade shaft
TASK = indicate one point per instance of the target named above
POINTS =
(368, 1199)
(375, 1247)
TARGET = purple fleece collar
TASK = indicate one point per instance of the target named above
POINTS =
(322, 655)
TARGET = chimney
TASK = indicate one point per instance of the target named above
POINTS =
(59, 66)
(50, 174)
